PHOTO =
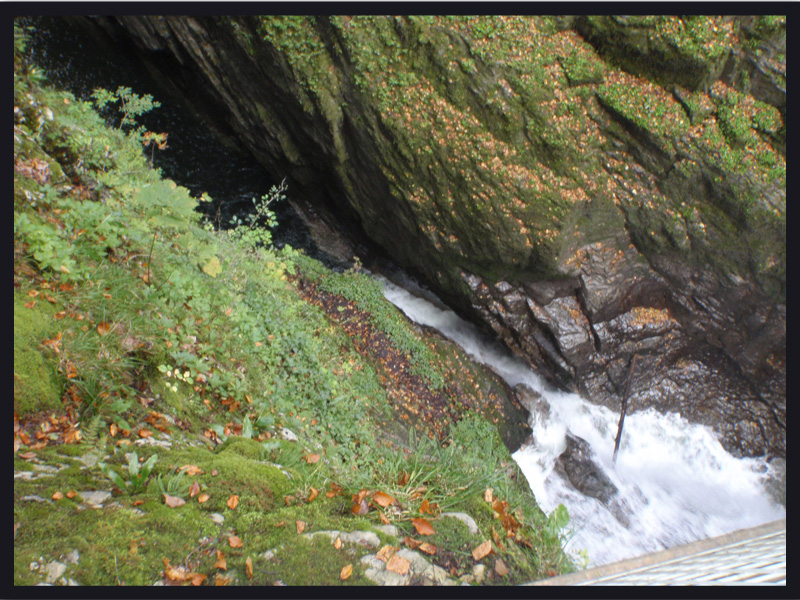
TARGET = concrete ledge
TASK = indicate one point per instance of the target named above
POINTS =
(630, 564)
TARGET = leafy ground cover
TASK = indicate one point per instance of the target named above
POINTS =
(191, 406)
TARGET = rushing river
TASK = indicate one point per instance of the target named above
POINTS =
(676, 482)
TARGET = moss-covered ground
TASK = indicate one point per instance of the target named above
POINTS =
(182, 371)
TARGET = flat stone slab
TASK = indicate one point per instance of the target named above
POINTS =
(95, 498)
(364, 538)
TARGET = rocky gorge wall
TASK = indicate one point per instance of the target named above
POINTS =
(590, 188)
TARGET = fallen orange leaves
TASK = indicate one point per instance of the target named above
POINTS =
(347, 570)
(194, 489)
(382, 499)
(203, 498)
(398, 565)
(300, 525)
(483, 550)
(235, 541)
(386, 553)
(173, 501)
(248, 567)
(423, 526)
(221, 562)
(233, 501)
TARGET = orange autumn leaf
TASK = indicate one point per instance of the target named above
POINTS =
(360, 508)
(423, 526)
(482, 550)
(428, 548)
(424, 507)
(202, 498)
(174, 573)
(103, 327)
(72, 493)
(144, 433)
(54, 343)
(357, 498)
(488, 495)
(312, 495)
(386, 553)
(221, 580)
(500, 567)
(58, 496)
(403, 479)
(338, 543)
(384, 519)
(173, 501)
(398, 565)
(335, 489)
(300, 525)
(347, 570)
(135, 502)
(31, 304)
(235, 541)
(233, 501)
(113, 430)
(382, 499)
(248, 567)
(411, 542)
(221, 562)
(191, 469)
(197, 578)
(313, 458)
(194, 489)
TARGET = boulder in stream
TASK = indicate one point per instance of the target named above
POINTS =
(577, 465)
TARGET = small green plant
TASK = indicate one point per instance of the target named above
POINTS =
(255, 230)
(131, 105)
(139, 474)
(175, 485)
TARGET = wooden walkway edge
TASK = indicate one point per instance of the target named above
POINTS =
(753, 556)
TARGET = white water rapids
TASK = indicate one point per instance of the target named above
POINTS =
(676, 482)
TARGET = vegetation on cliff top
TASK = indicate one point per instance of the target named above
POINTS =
(229, 415)
(497, 131)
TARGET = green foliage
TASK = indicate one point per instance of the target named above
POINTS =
(138, 474)
(131, 105)
(254, 230)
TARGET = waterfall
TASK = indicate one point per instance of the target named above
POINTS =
(676, 482)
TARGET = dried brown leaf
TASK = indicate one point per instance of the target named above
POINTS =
(483, 550)
(382, 499)
(428, 548)
(386, 552)
(347, 571)
(233, 501)
(173, 501)
(248, 567)
(203, 498)
(194, 489)
(398, 565)
(338, 543)
(501, 568)
(221, 580)
(423, 526)
(58, 496)
(235, 541)
(312, 495)
(411, 542)
(300, 525)
(221, 563)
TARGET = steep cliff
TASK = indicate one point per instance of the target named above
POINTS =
(591, 188)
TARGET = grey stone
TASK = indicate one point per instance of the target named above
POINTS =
(54, 570)
(95, 498)
(287, 434)
(387, 529)
(150, 441)
(35, 498)
(73, 557)
(217, 518)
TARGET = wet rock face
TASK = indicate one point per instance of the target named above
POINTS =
(618, 193)
(578, 467)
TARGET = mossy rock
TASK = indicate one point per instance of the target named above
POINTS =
(37, 385)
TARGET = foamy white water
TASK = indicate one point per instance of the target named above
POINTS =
(676, 482)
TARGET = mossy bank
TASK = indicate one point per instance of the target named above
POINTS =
(192, 406)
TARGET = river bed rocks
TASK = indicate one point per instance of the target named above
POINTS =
(583, 204)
